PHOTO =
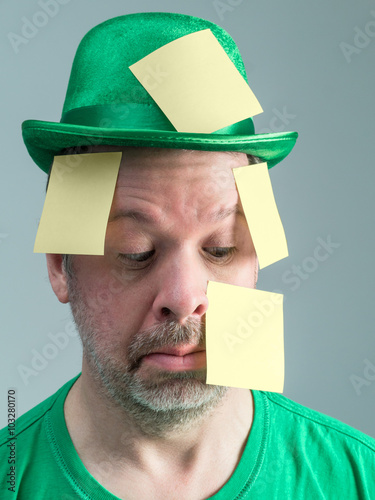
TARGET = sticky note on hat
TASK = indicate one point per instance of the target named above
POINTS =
(256, 194)
(244, 338)
(196, 85)
(77, 204)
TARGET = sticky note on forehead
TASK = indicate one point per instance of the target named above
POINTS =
(196, 85)
(244, 338)
(256, 194)
(77, 204)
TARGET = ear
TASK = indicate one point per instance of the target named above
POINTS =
(57, 276)
(256, 271)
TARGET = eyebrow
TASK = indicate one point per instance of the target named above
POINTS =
(145, 218)
(223, 213)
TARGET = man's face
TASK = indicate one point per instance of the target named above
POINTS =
(173, 226)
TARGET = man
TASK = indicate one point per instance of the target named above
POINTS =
(140, 422)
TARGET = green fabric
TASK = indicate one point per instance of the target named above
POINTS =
(106, 104)
(292, 453)
(105, 53)
(271, 148)
(138, 116)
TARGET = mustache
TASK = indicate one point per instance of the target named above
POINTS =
(170, 333)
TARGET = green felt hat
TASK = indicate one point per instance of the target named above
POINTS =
(106, 104)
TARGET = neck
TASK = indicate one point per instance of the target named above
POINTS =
(213, 443)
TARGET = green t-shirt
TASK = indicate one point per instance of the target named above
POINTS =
(292, 453)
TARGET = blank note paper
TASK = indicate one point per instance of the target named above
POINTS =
(196, 85)
(267, 232)
(77, 204)
(244, 338)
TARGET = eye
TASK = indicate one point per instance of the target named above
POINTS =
(221, 253)
(134, 258)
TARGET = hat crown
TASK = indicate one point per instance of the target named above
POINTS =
(106, 104)
(100, 72)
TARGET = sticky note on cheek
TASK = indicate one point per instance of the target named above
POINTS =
(244, 338)
(196, 85)
(256, 194)
(77, 204)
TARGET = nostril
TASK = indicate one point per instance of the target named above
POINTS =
(165, 311)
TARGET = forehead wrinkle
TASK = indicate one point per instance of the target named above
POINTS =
(141, 216)
(190, 206)
(145, 215)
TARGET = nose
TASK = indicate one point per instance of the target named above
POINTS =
(182, 287)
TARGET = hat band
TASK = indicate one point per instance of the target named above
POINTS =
(135, 116)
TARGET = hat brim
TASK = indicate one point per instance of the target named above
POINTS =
(44, 140)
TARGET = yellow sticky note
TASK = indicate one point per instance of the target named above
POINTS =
(255, 190)
(244, 338)
(77, 204)
(196, 85)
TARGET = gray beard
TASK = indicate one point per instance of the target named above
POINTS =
(164, 401)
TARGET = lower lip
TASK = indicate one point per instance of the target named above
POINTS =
(192, 361)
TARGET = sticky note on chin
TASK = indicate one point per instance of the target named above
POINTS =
(196, 85)
(256, 194)
(244, 338)
(77, 204)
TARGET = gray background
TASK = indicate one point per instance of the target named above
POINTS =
(295, 62)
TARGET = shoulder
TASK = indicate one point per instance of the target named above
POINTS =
(311, 455)
(32, 419)
(323, 428)
(25, 447)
